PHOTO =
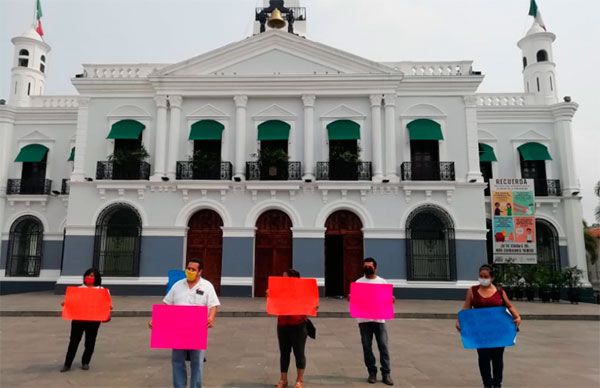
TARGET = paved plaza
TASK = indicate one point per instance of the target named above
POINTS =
(243, 353)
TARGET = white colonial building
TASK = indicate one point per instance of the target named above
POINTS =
(274, 152)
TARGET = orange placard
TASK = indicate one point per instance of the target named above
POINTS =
(86, 304)
(292, 296)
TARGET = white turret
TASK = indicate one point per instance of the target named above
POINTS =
(539, 69)
(28, 74)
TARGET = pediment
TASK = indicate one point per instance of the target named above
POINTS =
(274, 53)
(208, 111)
(531, 135)
(343, 112)
(128, 111)
(483, 135)
(35, 136)
(274, 112)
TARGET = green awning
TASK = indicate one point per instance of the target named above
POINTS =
(343, 130)
(32, 153)
(273, 130)
(72, 156)
(425, 129)
(126, 129)
(534, 151)
(206, 130)
(486, 153)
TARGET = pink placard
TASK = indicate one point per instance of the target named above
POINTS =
(371, 301)
(179, 327)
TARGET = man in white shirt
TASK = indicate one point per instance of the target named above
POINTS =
(368, 328)
(191, 291)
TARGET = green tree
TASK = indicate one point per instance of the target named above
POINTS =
(597, 192)
(591, 244)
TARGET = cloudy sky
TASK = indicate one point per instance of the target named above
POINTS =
(486, 31)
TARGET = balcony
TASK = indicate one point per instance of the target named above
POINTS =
(282, 171)
(547, 188)
(427, 171)
(107, 170)
(28, 186)
(65, 188)
(207, 170)
(344, 171)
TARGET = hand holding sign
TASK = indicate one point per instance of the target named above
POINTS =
(179, 327)
(490, 327)
(292, 296)
(371, 301)
(87, 304)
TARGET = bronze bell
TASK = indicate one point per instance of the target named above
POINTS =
(276, 21)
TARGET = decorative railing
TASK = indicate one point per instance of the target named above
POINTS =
(282, 171)
(430, 69)
(29, 186)
(106, 170)
(54, 102)
(299, 12)
(344, 171)
(547, 187)
(504, 99)
(204, 170)
(427, 171)
(65, 188)
(138, 70)
(25, 265)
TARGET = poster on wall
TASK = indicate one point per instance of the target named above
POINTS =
(513, 220)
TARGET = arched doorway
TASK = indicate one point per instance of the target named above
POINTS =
(430, 248)
(205, 241)
(343, 252)
(272, 248)
(25, 247)
(547, 245)
(118, 240)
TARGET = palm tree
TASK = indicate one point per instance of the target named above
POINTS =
(597, 192)
(591, 244)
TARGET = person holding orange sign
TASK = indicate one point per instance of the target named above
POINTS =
(91, 279)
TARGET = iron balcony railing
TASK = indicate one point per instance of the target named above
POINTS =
(25, 265)
(29, 186)
(344, 171)
(215, 170)
(65, 188)
(547, 187)
(427, 171)
(279, 171)
(107, 170)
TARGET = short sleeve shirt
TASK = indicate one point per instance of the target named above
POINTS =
(377, 280)
(202, 294)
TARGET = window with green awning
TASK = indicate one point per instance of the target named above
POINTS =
(343, 130)
(424, 129)
(274, 130)
(32, 153)
(534, 151)
(126, 129)
(486, 153)
(72, 155)
(206, 130)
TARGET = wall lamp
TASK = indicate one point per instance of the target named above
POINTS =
(237, 179)
(385, 181)
(87, 178)
(165, 178)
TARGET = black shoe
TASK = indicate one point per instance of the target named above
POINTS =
(65, 369)
(85, 366)
(372, 379)
(386, 379)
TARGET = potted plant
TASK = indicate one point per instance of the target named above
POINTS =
(506, 277)
(205, 166)
(529, 275)
(273, 163)
(557, 282)
(573, 282)
(343, 163)
(127, 162)
(542, 276)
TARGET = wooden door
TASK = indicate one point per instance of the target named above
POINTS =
(272, 249)
(205, 241)
(347, 225)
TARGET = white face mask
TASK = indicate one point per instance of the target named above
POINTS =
(485, 282)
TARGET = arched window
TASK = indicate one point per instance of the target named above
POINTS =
(547, 245)
(542, 56)
(23, 58)
(43, 63)
(25, 247)
(524, 62)
(117, 241)
(430, 247)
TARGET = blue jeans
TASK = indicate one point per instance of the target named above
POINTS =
(180, 369)
(367, 330)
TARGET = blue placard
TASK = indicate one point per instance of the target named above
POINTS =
(490, 327)
(175, 275)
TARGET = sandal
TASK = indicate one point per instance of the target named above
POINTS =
(299, 384)
(282, 384)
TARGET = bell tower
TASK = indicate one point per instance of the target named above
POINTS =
(28, 74)
(277, 16)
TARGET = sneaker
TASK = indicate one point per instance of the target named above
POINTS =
(386, 379)
(85, 367)
(372, 379)
(65, 369)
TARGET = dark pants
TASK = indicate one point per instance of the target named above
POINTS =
(291, 338)
(493, 356)
(77, 329)
(367, 330)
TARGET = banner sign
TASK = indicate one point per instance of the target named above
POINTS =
(86, 304)
(513, 220)
(371, 301)
(490, 327)
(179, 327)
(292, 296)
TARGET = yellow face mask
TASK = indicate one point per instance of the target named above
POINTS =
(191, 275)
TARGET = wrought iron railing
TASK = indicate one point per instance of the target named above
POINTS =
(299, 12)
(344, 171)
(29, 186)
(126, 171)
(204, 170)
(65, 188)
(427, 171)
(282, 171)
(24, 265)
(547, 188)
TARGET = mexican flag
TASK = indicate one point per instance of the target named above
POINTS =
(533, 11)
(38, 16)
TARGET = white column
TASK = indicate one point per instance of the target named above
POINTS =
(174, 135)
(574, 232)
(376, 138)
(160, 148)
(240, 135)
(390, 138)
(79, 173)
(309, 137)
(6, 131)
(563, 133)
(473, 171)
